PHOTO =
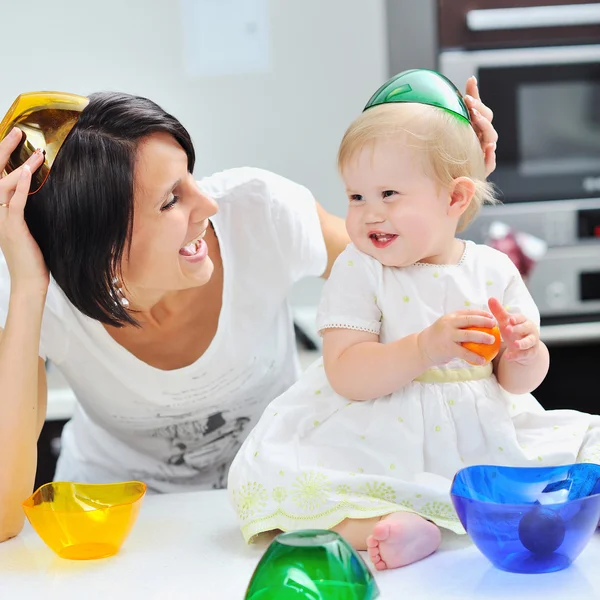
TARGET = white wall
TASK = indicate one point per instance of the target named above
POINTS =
(327, 57)
(412, 34)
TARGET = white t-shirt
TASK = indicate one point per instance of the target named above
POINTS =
(179, 430)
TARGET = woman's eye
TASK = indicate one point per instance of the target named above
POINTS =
(389, 193)
(170, 204)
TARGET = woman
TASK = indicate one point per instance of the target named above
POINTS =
(168, 319)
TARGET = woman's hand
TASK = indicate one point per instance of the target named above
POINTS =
(481, 117)
(441, 342)
(28, 271)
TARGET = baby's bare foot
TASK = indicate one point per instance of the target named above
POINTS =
(400, 539)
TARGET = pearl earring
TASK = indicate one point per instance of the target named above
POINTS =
(120, 297)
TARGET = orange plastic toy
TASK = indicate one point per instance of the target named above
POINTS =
(488, 351)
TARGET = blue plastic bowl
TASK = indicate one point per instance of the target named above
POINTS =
(529, 519)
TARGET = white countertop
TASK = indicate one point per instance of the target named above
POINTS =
(187, 546)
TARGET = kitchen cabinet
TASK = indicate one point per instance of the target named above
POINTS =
(479, 24)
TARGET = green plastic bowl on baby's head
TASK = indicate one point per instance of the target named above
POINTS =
(311, 565)
(422, 86)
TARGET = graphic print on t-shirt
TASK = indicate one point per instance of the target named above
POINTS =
(203, 442)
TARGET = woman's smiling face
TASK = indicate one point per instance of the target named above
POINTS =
(171, 213)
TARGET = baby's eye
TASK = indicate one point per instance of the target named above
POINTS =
(355, 198)
(389, 193)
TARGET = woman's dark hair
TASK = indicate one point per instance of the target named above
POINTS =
(82, 217)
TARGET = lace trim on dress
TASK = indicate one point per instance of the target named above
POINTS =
(460, 262)
(346, 326)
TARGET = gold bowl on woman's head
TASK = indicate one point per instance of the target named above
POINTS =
(46, 119)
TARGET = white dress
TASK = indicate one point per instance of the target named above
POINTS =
(315, 458)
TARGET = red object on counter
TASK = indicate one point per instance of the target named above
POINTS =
(502, 238)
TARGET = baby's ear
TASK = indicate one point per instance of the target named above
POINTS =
(462, 190)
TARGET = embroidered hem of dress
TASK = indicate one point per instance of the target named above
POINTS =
(440, 375)
(283, 521)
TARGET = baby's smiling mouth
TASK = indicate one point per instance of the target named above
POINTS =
(381, 239)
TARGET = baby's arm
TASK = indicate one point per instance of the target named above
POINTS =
(360, 367)
(524, 360)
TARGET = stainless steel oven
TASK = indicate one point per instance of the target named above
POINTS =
(541, 76)
(546, 104)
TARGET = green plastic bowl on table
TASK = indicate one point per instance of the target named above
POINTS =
(311, 565)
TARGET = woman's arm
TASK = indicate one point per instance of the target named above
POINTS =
(23, 393)
(335, 235)
(482, 117)
(22, 373)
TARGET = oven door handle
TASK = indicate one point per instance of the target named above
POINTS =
(532, 17)
(571, 333)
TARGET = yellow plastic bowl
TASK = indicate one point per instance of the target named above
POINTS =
(83, 521)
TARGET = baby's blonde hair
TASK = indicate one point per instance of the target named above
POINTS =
(448, 144)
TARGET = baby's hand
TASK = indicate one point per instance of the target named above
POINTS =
(520, 335)
(441, 342)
